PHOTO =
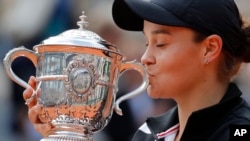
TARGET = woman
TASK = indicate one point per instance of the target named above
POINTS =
(194, 48)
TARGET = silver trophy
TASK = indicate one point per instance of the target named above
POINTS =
(77, 72)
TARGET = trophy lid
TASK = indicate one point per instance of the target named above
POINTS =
(81, 37)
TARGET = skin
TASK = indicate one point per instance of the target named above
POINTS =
(178, 68)
(35, 108)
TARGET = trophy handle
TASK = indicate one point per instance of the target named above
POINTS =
(140, 68)
(11, 56)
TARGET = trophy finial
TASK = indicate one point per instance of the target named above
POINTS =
(82, 23)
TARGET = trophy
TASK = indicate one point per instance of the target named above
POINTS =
(77, 72)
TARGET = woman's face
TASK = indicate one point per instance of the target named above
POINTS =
(173, 60)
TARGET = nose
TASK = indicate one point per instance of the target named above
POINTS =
(148, 58)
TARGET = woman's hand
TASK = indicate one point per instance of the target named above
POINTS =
(34, 109)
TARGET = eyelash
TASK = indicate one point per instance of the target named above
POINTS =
(160, 45)
(157, 45)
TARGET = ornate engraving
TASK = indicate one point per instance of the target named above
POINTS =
(77, 73)
(82, 76)
(81, 80)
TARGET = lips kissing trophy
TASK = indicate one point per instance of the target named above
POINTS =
(77, 72)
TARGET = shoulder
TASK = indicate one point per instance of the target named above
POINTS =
(240, 115)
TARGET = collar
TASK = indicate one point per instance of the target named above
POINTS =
(200, 121)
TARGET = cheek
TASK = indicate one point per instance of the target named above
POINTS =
(174, 76)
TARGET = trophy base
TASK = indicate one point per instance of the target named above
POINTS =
(66, 137)
(65, 131)
(69, 133)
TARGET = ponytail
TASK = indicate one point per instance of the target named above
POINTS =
(246, 45)
(240, 51)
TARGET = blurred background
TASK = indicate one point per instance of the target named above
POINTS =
(28, 22)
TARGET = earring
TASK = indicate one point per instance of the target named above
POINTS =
(207, 61)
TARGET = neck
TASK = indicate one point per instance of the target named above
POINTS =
(206, 96)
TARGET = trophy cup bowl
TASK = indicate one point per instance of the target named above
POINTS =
(77, 72)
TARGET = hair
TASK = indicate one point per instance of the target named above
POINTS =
(241, 53)
(246, 34)
(233, 60)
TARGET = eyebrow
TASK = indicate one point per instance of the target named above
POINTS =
(159, 31)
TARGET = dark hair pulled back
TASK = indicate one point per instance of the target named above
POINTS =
(246, 43)
(239, 51)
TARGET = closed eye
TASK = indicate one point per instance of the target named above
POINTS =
(160, 45)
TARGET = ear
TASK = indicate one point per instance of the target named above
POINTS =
(212, 48)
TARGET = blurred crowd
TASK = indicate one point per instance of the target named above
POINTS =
(28, 22)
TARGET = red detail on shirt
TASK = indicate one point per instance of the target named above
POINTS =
(168, 132)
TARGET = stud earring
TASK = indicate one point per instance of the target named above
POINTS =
(207, 61)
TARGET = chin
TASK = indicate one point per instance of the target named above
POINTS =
(153, 94)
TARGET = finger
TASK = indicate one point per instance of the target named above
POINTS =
(38, 93)
(44, 128)
(33, 114)
(27, 93)
(34, 99)
(30, 97)
(32, 82)
(31, 102)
